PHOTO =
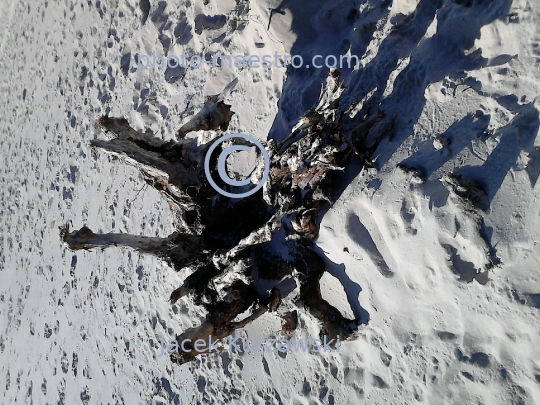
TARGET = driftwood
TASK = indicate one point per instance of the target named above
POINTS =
(223, 241)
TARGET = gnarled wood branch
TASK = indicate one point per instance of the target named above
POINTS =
(226, 241)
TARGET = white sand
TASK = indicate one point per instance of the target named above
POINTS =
(84, 327)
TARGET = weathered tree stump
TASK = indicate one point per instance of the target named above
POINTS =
(223, 240)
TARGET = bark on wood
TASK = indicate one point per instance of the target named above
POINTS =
(223, 241)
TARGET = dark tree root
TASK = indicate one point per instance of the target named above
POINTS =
(311, 267)
(225, 242)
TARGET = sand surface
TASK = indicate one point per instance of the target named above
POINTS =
(84, 327)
